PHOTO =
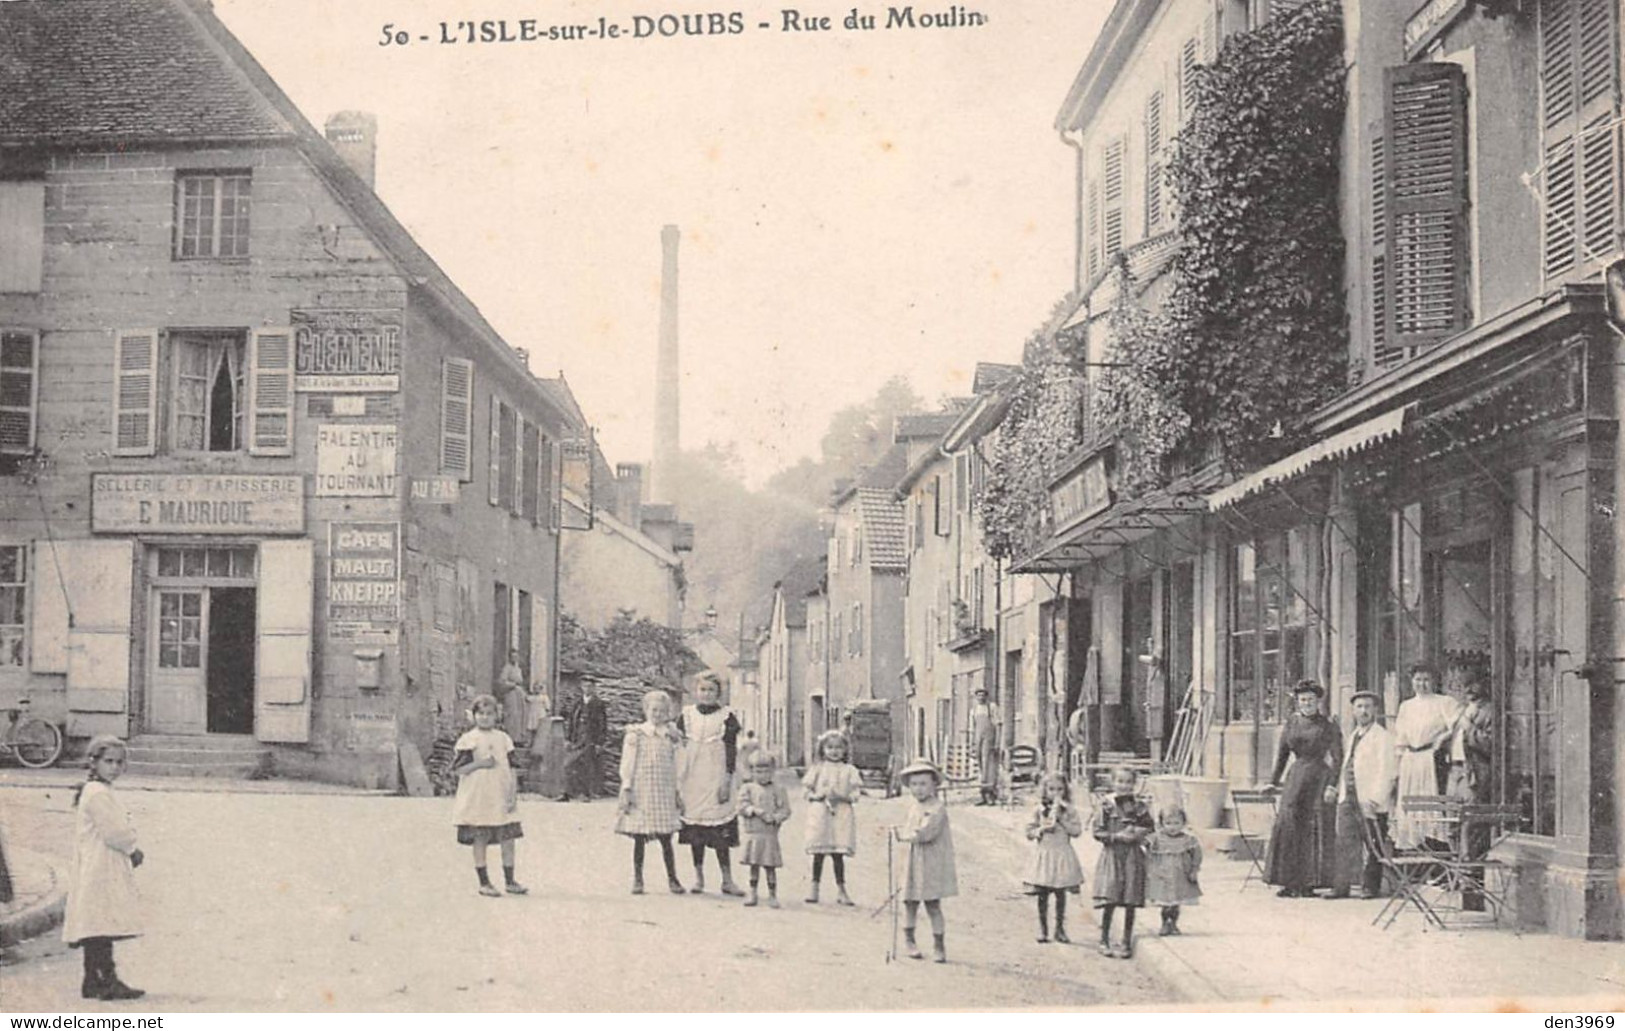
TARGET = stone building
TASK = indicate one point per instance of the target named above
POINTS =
(272, 491)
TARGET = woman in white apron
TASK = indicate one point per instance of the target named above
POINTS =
(705, 773)
(1423, 725)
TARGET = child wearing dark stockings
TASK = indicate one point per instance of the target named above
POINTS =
(1175, 857)
(103, 905)
(487, 794)
(1055, 871)
(649, 806)
(1121, 826)
(832, 784)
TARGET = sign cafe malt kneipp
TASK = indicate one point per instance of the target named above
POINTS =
(196, 503)
(363, 581)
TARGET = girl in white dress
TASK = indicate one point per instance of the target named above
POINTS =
(103, 905)
(487, 794)
(832, 784)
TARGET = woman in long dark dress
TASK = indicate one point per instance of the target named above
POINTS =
(1302, 846)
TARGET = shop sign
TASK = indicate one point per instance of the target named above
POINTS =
(1429, 21)
(436, 490)
(355, 461)
(1081, 494)
(196, 503)
(371, 732)
(347, 351)
(363, 580)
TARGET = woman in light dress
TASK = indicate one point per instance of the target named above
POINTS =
(1424, 724)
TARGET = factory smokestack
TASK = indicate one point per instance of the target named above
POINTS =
(663, 471)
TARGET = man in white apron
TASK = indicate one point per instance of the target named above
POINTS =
(985, 733)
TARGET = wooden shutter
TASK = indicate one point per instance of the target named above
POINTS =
(270, 430)
(135, 392)
(1092, 229)
(282, 683)
(494, 485)
(99, 576)
(19, 390)
(1425, 205)
(552, 502)
(516, 503)
(531, 441)
(1188, 60)
(1112, 200)
(457, 417)
(1382, 355)
(1579, 82)
(1210, 36)
(1153, 162)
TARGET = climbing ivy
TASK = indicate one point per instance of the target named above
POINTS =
(1132, 397)
(1259, 329)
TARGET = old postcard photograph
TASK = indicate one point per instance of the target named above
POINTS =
(582, 506)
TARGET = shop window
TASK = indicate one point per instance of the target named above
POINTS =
(1270, 624)
(203, 563)
(13, 604)
(180, 630)
(206, 394)
(211, 215)
(19, 394)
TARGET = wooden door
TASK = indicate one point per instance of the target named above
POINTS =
(179, 685)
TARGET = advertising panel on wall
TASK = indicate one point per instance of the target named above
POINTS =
(363, 581)
(347, 351)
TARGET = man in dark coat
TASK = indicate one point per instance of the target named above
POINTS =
(587, 726)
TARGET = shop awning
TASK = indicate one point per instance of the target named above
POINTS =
(1349, 441)
(1120, 526)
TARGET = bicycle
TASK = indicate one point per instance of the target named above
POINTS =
(37, 743)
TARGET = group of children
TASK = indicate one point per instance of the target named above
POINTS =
(1141, 861)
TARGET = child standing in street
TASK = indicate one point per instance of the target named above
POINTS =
(487, 794)
(1055, 870)
(649, 806)
(832, 829)
(103, 905)
(930, 877)
(763, 806)
(1121, 827)
(1175, 857)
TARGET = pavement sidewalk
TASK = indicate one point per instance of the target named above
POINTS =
(73, 776)
(1248, 948)
(38, 892)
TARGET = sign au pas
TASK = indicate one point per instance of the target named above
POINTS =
(356, 461)
(196, 503)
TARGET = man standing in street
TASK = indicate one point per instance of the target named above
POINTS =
(985, 731)
(1364, 791)
(587, 727)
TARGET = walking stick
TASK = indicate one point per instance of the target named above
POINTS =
(891, 890)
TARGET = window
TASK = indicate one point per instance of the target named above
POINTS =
(206, 393)
(857, 628)
(1152, 128)
(857, 545)
(1270, 624)
(1580, 107)
(530, 485)
(457, 417)
(22, 236)
(200, 563)
(941, 523)
(835, 642)
(919, 521)
(1112, 190)
(19, 391)
(211, 215)
(504, 455)
(13, 603)
(1424, 206)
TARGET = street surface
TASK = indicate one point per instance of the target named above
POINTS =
(265, 901)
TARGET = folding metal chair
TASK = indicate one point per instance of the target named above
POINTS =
(1407, 871)
(1250, 840)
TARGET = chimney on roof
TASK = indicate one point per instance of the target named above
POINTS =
(354, 134)
(629, 493)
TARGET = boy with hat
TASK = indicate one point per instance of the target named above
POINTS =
(930, 877)
(1364, 791)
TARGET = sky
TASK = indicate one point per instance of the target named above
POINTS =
(854, 205)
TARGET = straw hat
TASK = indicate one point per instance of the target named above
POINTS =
(920, 766)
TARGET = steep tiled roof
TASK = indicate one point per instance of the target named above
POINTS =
(800, 581)
(991, 374)
(104, 71)
(934, 424)
(885, 541)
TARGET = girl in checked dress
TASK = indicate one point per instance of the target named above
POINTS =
(649, 806)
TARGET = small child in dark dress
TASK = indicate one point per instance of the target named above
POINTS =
(1121, 826)
(1175, 856)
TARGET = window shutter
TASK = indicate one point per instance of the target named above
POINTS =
(271, 384)
(457, 417)
(532, 492)
(282, 689)
(1153, 162)
(1112, 200)
(520, 477)
(19, 390)
(1425, 204)
(494, 481)
(1579, 81)
(1092, 230)
(1210, 37)
(135, 392)
(1382, 355)
(553, 483)
(1189, 58)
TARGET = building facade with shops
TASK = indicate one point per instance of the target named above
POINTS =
(1455, 506)
(269, 478)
